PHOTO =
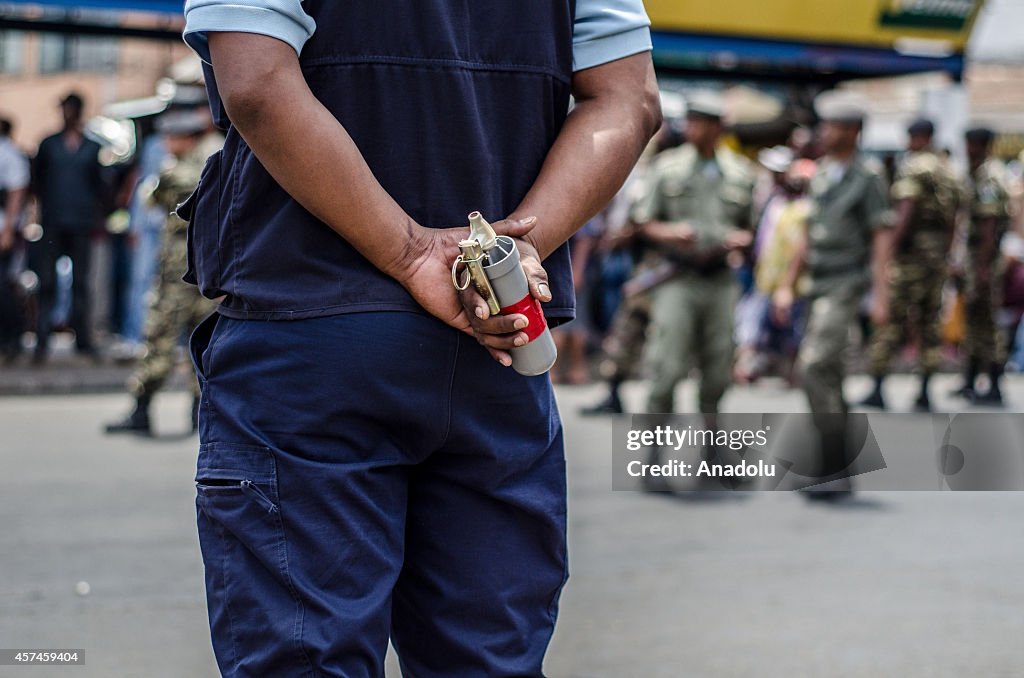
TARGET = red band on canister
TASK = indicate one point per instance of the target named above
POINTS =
(529, 307)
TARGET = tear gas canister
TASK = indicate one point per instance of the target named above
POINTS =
(511, 290)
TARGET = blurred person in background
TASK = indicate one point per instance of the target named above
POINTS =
(1013, 299)
(847, 245)
(925, 198)
(14, 181)
(761, 336)
(146, 225)
(623, 346)
(988, 198)
(176, 307)
(571, 340)
(769, 194)
(68, 185)
(695, 211)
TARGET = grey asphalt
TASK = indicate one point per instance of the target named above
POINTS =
(761, 584)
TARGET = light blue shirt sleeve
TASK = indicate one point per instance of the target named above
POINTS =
(281, 19)
(606, 30)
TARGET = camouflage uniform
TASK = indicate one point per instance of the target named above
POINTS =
(624, 346)
(176, 307)
(848, 204)
(919, 268)
(989, 198)
(692, 313)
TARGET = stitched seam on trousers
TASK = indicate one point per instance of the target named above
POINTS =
(451, 390)
(300, 609)
(227, 597)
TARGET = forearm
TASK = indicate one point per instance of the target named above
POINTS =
(901, 228)
(597, 148)
(271, 106)
(881, 255)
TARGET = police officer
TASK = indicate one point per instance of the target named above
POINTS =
(985, 346)
(696, 209)
(847, 245)
(369, 467)
(925, 197)
(175, 306)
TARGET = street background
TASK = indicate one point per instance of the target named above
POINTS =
(763, 584)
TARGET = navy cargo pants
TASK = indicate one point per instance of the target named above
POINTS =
(370, 475)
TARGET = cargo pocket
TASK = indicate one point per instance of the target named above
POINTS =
(251, 596)
(236, 482)
(236, 494)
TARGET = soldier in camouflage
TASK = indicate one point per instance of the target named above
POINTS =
(176, 307)
(985, 346)
(925, 197)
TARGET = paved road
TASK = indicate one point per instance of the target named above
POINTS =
(896, 584)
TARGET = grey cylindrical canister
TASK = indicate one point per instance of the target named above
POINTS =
(511, 287)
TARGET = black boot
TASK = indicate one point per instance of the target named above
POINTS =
(994, 397)
(137, 422)
(970, 376)
(923, 402)
(195, 413)
(612, 404)
(875, 399)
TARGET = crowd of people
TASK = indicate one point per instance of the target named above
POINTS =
(733, 269)
(707, 260)
(59, 202)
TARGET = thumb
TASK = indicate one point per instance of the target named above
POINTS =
(538, 279)
(514, 228)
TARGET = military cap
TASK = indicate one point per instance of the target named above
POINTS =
(776, 159)
(921, 127)
(183, 122)
(980, 134)
(706, 105)
(840, 107)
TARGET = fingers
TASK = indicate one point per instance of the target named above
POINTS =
(497, 333)
(475, 306)
(537, 278)
(501, 356)
(502, 332)
(514, 228)
(502, 342)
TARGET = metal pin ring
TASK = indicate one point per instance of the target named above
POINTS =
(455, 275)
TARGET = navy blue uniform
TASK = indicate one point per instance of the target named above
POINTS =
(364, 469)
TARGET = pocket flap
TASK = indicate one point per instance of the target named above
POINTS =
(235, 461)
